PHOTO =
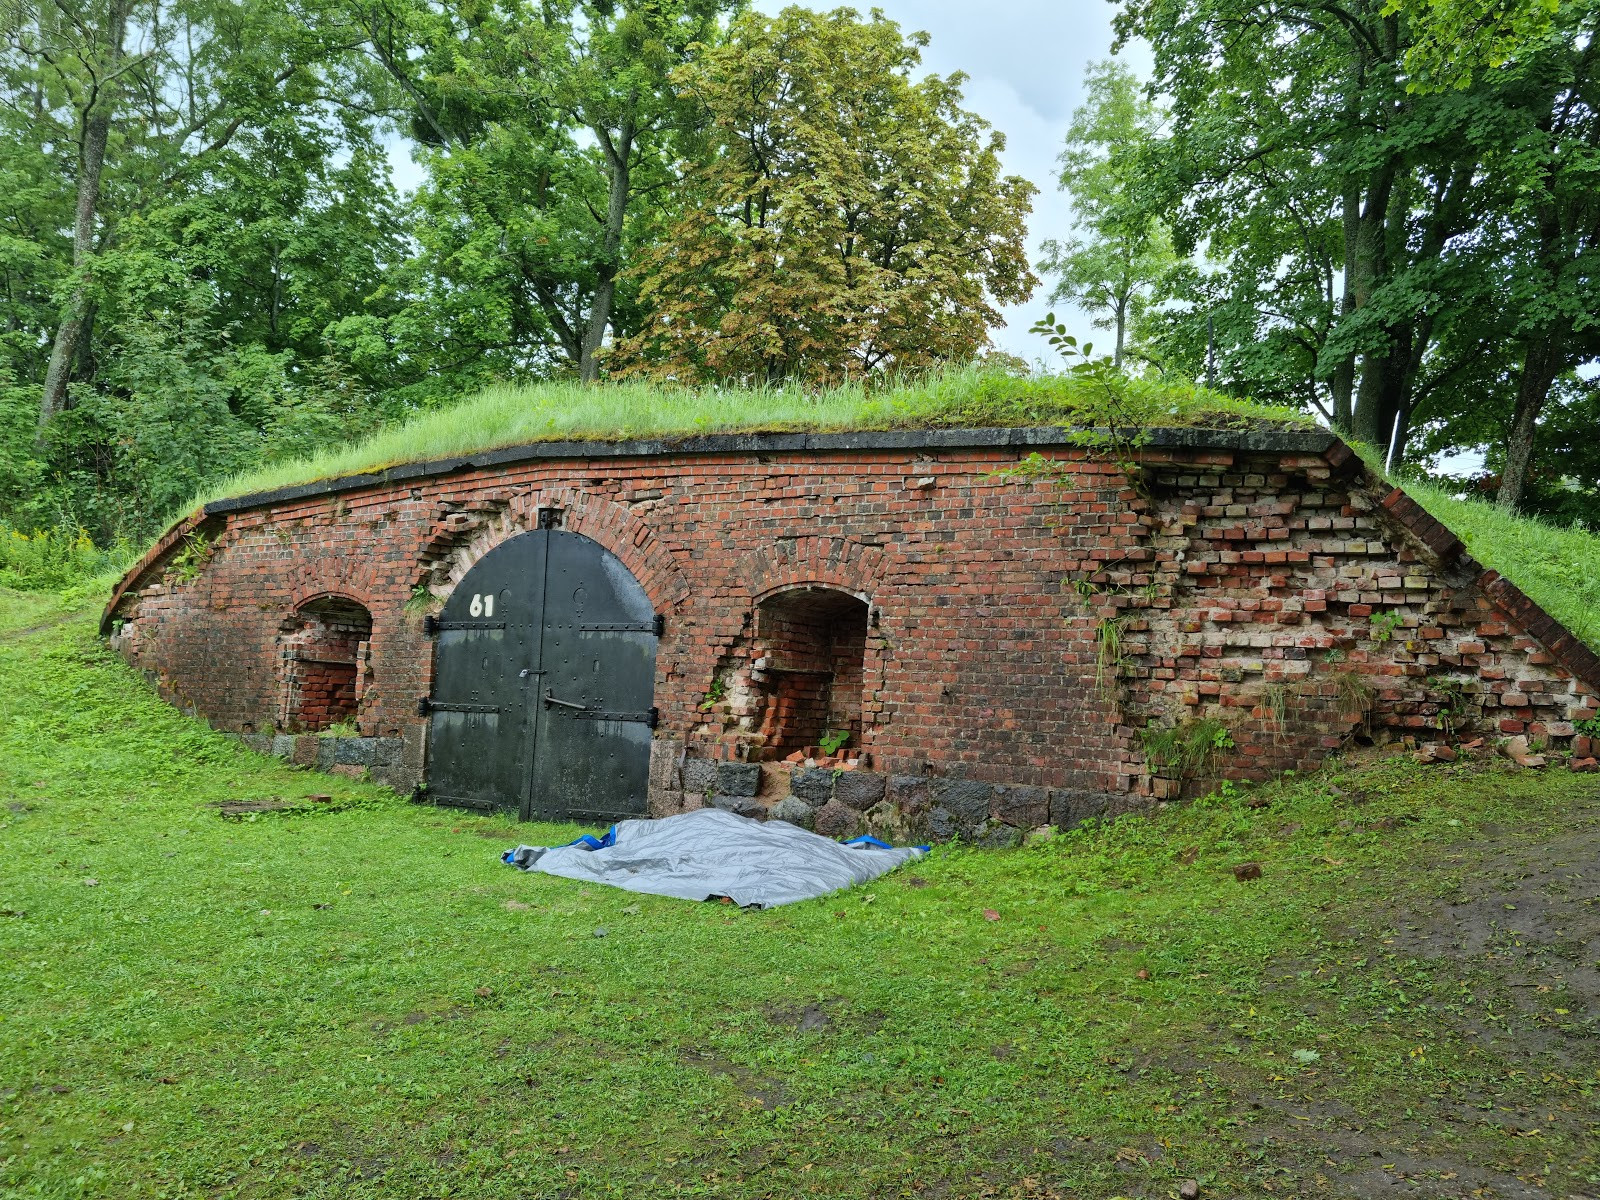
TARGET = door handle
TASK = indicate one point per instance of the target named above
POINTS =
(550, 698)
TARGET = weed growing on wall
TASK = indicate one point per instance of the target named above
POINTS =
(1184, 751)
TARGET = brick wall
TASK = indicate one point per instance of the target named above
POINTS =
(1024, 630)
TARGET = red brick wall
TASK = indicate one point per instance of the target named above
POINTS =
(1241, 585)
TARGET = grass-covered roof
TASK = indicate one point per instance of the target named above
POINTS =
(968, 398)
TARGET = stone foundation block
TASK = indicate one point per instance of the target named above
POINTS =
(1069, 808)
(738, 779)
(357, 751)
(908, 793)
(744, 806)
(813, 785)
(968, 799)
(1021, 807)
(859, 789)
(837, 820)
(795, 811)
(700, 776)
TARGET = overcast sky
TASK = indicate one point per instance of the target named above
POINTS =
(1025, 61)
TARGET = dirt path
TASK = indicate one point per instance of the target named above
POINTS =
(17, 635)
(1508, 928)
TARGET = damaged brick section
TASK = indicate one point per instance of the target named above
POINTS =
(995, 649)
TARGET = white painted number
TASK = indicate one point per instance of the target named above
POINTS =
(482, 606)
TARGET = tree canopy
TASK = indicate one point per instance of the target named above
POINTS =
(847, 218)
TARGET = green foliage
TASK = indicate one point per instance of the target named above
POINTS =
(1120, 253)
(1339, 196)
(1184, 751)
(51, 559)
(359, 1020)
(715, 692)
(190, 558)
(341, 729)
(1384, 625)
(834, 740)
(848, 217)
(1108, 654)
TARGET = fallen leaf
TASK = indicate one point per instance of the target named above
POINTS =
(91, 883)
(989, 914)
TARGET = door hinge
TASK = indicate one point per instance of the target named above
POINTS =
(660, 624)
(424, 706)
(430, 626)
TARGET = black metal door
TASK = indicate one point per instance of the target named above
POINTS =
(557, 727)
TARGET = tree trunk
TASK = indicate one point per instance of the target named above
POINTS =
(1342, 383)
(96, 124)
(1541, 363)
(618, 156)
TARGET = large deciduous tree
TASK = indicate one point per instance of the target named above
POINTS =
(1120, 253)
(847, 217)
(551, 130)
(1399, 229)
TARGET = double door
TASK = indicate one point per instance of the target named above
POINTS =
(544, 672)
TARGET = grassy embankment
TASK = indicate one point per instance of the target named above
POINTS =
(362, 1002)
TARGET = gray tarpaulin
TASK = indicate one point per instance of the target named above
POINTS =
(709, 852)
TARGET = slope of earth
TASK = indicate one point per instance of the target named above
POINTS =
(353, 997)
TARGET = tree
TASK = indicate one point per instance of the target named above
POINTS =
(169, 290)
(1440, 223)
(142, 93)
(550, 129)
(847, 219)
(1123, 252)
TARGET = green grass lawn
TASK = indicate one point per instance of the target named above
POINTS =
(361, 1001)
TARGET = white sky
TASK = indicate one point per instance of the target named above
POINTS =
(1025, 60)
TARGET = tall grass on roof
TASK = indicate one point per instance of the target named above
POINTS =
(1558, 569)
(971, 396)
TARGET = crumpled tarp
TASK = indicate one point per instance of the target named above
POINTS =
(709, 852)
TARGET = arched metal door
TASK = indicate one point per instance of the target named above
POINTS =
(543, 677)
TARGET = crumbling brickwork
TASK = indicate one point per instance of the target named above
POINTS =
(1003, 647)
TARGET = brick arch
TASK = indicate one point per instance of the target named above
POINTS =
(614, 526)
(349, 577)
(834, 562)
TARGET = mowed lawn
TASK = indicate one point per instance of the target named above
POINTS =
(361, 1001)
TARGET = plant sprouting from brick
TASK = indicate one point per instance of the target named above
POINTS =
(422, 599)
(346, 728)
(1186, 750)
(1355, 694)
(1275, 700)
(1589, 728)
(716, 691)
(834, 740)
(1384, 625)
(1112, 425)
(185, 566)
(1108, 653)
(1451, 697)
